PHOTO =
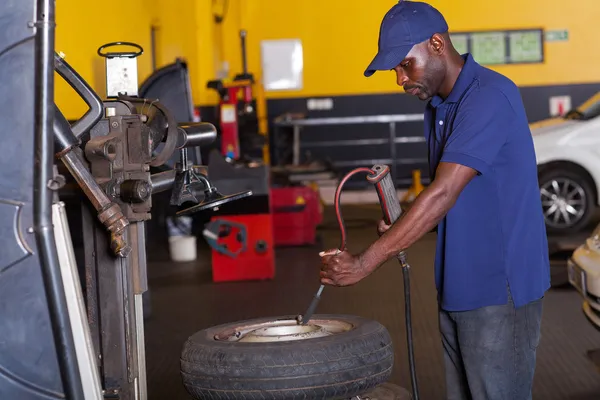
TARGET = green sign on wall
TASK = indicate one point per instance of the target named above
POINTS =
(526, 46)
(502, 46)
(557, 36)
(460, 42)
(488, 47)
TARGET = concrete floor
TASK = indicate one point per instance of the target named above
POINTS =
(184, 300)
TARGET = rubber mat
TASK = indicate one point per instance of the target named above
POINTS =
(184, 300)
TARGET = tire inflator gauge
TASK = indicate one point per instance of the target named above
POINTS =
(380, 177)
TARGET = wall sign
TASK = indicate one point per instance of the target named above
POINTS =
(557, 36)
(516, 46)
(282, 64)
(560, 105)
(489, 47)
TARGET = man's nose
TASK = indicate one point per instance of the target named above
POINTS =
(401, 77)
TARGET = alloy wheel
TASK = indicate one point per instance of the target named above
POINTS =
(563, 201)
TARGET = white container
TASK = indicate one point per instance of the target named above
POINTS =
(182, 248)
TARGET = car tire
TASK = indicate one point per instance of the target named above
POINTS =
(576, 181)
(342, 365)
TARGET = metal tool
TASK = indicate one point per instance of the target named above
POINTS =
(380, 177)
(312, 307)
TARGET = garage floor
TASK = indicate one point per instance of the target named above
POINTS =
(184, 300)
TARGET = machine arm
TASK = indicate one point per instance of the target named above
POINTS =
(189, 135)
(93, 115)
(109, 213)
(185, 176)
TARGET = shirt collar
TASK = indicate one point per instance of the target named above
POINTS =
(466, 76)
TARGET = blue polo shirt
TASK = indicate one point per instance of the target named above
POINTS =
(494, 236)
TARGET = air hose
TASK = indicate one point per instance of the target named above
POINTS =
(379, 176)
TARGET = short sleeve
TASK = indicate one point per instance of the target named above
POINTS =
(480, 129)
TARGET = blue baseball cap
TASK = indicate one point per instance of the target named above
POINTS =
(406, 24)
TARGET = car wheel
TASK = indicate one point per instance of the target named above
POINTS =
(567, 200)
(333, 356)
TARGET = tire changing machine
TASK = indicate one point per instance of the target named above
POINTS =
(76, 331)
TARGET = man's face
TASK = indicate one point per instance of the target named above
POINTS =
(421, 72)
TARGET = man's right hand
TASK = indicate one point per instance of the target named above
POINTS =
(382, 227)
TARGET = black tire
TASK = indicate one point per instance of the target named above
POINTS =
(334, 367)
(550, 173)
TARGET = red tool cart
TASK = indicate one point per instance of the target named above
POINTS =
(297, 211)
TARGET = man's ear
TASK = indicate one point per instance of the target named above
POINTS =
(437, 44)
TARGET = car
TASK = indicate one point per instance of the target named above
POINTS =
(568, 157)
(584, 275)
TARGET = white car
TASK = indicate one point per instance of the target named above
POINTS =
(584, 275)
(568, 156)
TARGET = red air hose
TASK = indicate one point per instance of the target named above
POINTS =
(338, 193)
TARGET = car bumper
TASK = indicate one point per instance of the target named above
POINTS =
(584, 275)
(592, 315)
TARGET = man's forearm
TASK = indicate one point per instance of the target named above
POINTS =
(426, 212)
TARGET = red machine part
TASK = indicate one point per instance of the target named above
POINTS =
(297, 212)
(257, 261)
(228, 105)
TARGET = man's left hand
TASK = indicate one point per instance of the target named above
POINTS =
(341, 268)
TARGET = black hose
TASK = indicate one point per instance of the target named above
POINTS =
(42, 203)
(408, 323)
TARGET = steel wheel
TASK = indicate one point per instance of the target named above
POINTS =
(279, 330)
(564, 202)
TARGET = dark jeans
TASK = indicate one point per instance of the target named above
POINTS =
(490, 352)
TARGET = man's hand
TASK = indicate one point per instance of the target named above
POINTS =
(341, 268)
(382, 227)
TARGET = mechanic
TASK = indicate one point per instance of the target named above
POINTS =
(491, 265)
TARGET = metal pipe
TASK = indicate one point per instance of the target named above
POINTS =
(162, 181)
(244, 56)
(64, 138)
(153, 29)
(109, 213)
(83, 89)
(197, 134)
(73, 162)
(42, 204)
(286, 120)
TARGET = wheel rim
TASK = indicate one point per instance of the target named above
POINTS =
(283, 330)
(563, 202)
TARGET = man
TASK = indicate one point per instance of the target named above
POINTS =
(491, 264)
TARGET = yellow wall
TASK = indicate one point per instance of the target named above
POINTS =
(81, 30)
(181, 33)
(340, 38)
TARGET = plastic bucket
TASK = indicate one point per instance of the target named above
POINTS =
(182, 248)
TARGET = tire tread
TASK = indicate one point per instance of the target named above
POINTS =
(340, 367)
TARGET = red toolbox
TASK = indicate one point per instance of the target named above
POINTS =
(297, 211)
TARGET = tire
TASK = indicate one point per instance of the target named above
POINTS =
(578, 182)
(338, 366)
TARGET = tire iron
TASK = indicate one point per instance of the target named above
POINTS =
(313, 305)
